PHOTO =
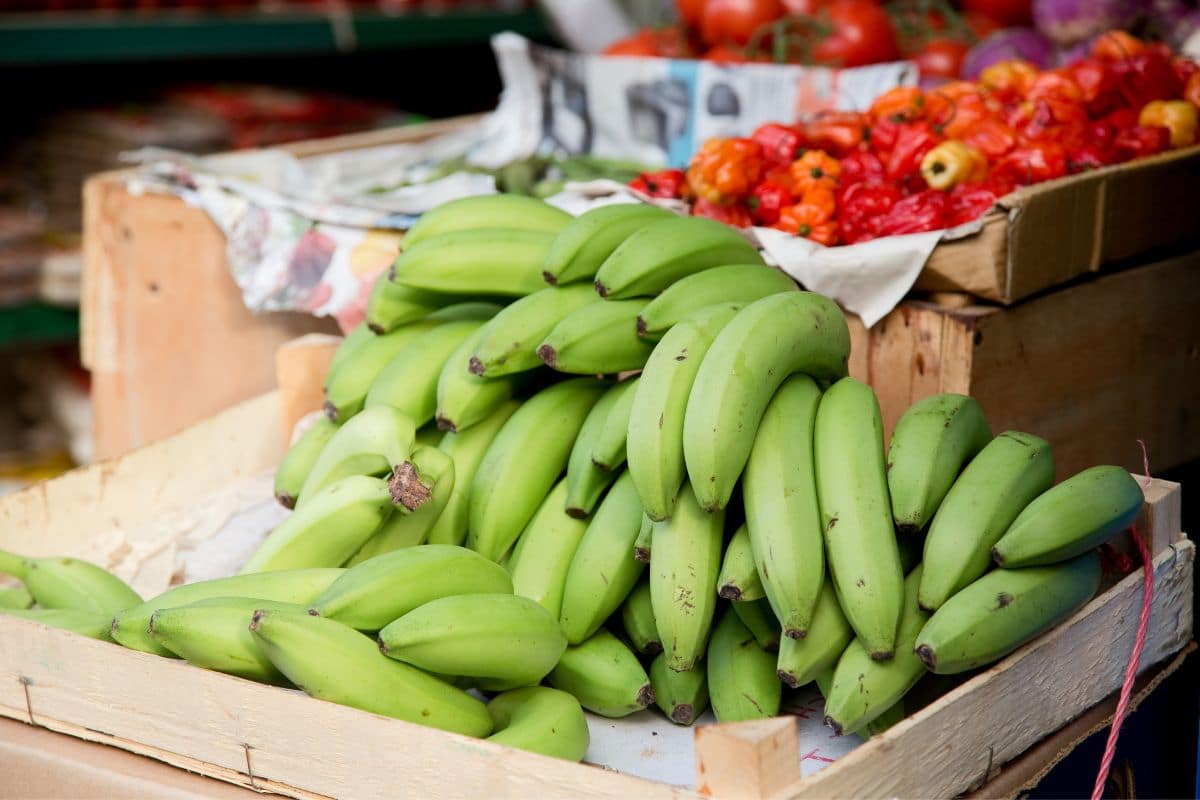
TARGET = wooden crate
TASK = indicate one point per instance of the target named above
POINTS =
(130, 514)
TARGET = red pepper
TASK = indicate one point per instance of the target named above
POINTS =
(968, 201)
(883, 137)
(837, 132)
(1088, 145)
(1140, 141)
(766, 201)
(923, 211)
(1120, 119)
(1116, 45)
(735, 214)
(664, 183)
(992, 137)
(1147, 76)
(781, 144)
(1033, 163)
(862, 206)
(860, 166)
(1099, 87)
(723, 171)
(1191, 92)
(913, 141)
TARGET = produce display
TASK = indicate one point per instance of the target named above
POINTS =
(610, 462)
(929, 159)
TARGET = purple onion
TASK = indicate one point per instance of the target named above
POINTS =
(1005, 45)
(1069, 21)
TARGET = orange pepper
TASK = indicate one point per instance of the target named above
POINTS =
(822, 197)
(1009, 79)
(1177, 116)
(724, 171)
(814, 168)
(1116, 45)
(952, 163)
(991, 136)
(901, 104)
(808, 221)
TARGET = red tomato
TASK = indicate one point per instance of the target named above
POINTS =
(862, 33)
(641, 43)
(736, 20)
(804, 8)
(726, 54)
(690, 12)
(1006, 12)
(941, 58)
(980, 24)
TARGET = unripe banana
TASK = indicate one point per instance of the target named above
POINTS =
(465, 400)
(738, 578)
(654, 446)
(682, 696)
(299, 586)
(372, 594)
(493, 261)
(541, 720)
(766, 342)
(602, 571)
(500, 637)
(1003, 479)
(637, 618)
(215, 634)
(487, 211)
(57, 582)
(348, 380)
(1003, 610)
(886, 719)
(760, 620)
(333, 662)
(779, 492)
(683, 579)
(298, 462)
(856, 514)
(585, 480)
(17, 597)
(583, 245)
(802, 660)
(435, 470)
(329, 528)
(466, 448)
(356, 339)
(523, 463)
(543, 556)
(735, 283)
(609, 447)
(409, 381)
(86, 623)
(742, 683)
(597, 339)
(604, 676)
(376, 441)
(1082, 512)
(641, 546)
(864, 688)
(428, 435)
(510, 341)
(392, 304)
(930, 444)
(654, 257)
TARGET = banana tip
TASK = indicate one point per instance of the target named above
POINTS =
(475, 367)
(446, 424)
(795, 633)
(641, 554)
(382, 647)
(787, 679)
(407, 488)
(576, 513)
(601, 289)
(652, 648)
(149, 625)
(547, 355)
(998, 557)
(883, 655)
(331, 411)
(285, 500)
(312, 612)
(645, 696)
(682, 714)
(730, 592)
(927, 656)
(549, 277)
(641, 326)
(257, 618)
(833, 723)
(376, 328)
(907, 529)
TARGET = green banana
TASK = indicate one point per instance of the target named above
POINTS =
(215, 634)
(465, 400)
(298, 461)
(864, 688)
(930, 444)
(585, 480)
(493, 261)
(428, 435)
(466, 448)
(57, 582)
(392, 304)
(301, 586)
(760, 620)
(544, 552)
(370, 595)
(738, 578)
(641, 546)
(742, 684)
(995, 487)
(654, 446)
(802, 660)
(486, 211)
(17, 597)
(376, 441)
(604, 676)
(856, 513)
(779, 492)
(683, 579)
(358, 337)
(682, 696)
(735, 283)
(91, 624)
(595, 339)
(655, 256)
(637, 618)
(523, 463)
(609, 447)
(333, 662)
(583, 245)
(348, 380)
(501, 637)
(434, 469)
(1003, 610)
(509, 342)
(1082, 512)
(541, 720)
(602, 573)
(886, 719)
(766, 342)
(409, 381)
(329, 528)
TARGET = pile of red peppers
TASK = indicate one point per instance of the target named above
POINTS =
(926, 160)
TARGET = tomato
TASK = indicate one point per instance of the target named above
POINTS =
(861, 34)
(804, 8)
(639, 44)
(725, 54)
(1005, 12)
(690, 12)
(941, 58)
(736, 20)
(980, 24)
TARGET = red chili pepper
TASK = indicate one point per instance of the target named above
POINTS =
(1191, 92)
(968, 201)
(923, 211)
(883, 137)
(766, 201)
(1088, 146)
(862, 206)
(1099, 87)
(664, 183)
(860, 166)
(1033, 163)
(735, 214)
(1184, 68)
(992, 137)
(1116, 45)
(1140, 141)
(913, 141)
(1121, 119)
(1147, 76)
(781, 144)
(837, 132)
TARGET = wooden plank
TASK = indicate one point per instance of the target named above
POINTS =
(300, 367)
(747, 760)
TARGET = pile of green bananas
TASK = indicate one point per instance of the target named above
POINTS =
(716, 522)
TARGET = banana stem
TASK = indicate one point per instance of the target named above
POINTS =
(12, 564)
